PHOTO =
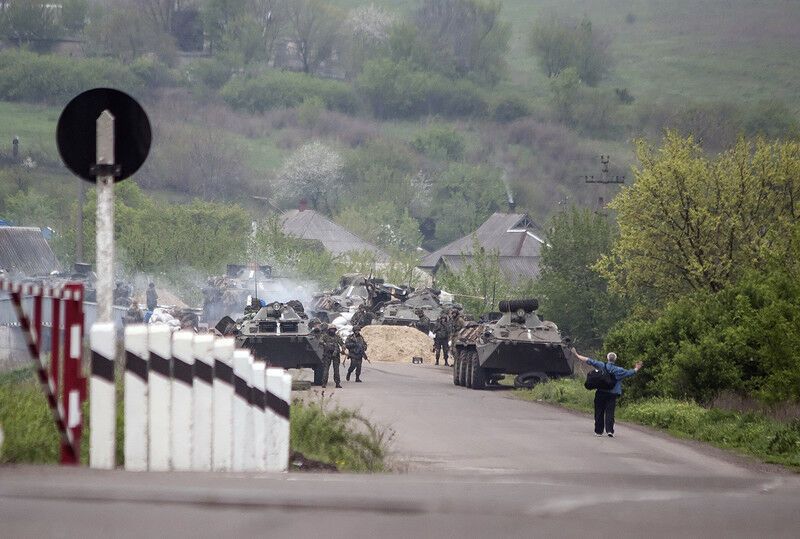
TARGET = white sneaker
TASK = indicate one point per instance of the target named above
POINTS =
(598, 435)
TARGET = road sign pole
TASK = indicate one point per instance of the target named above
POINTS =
(105, 216)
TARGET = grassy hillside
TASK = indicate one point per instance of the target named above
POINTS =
(729, 50)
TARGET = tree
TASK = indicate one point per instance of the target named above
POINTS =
(126, 33)
(563, 43)
(314, 27)
(369, 28)
(249, 34)
(73, 14)
(692, 222)
(467, 37)
(572, 293)
(565, 88)
(313, 172)
(385, 224)
(28, 21)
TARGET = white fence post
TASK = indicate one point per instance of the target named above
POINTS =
(160, 347)
(259, 416)
(181, 416)
(279, 389)
(136, 407)
(203, 402)
(222, 429)
(242, 418)
(102, 401)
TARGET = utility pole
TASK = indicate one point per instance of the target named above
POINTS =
(105, 216)
(79, 221)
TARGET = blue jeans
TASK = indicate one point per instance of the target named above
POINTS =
(605, 403)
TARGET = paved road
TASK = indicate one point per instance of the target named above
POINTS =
(479, 464)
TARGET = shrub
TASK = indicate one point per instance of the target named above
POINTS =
(26, 76)
(510, 108)
(282, 89)
(210, 72)
(440, 142)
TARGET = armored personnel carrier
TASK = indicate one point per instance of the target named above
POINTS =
(403, 312)
(518, 343)
(354, 290)
(280, 336)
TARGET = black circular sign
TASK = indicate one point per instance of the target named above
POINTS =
(76, 134)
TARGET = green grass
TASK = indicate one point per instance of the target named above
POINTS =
(749, 434)
(35, 126)
(319, 431)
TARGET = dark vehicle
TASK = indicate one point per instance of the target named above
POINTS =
(519, 343)
(279, 334)
(354, 290)
(403, 312)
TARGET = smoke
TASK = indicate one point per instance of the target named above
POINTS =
(509, 192)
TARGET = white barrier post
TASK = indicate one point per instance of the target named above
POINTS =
(203, 402)
(159, 401)
(136, 408)
(181, 416)
(102, 400)
(222, 428)
(279, 389)
(259, 416)
(242, 418)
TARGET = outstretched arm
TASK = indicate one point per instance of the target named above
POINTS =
(577, 355)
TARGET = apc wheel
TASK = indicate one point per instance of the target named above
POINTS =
(463, 359)
(318, 372)
(477, 375)
(470, 357)
(456, 365)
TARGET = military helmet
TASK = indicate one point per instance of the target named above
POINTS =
(332, 329)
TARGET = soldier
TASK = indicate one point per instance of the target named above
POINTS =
(331, 350)
(253, 307)
(361, 317)
(133, 315)
(152, 297)
(456, 323)
(424, 323)
(356, 350)
(441, 338)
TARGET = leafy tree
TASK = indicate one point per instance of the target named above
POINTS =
(440, 142)
(217, 14)
(313, 172)
(126, 33)
(467, 37)
(73, 14)
(563, 43)
(692, 222)
(385, 224)
(369, 28)
(27, 21)
(250, 33)
(572, 293)
(565, 89)
(315, 27)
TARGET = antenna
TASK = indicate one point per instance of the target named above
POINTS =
(605, 179)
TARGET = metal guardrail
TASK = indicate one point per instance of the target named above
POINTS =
(8, 316)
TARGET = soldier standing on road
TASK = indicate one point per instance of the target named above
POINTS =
(424, 323)
(441, 338)
(605, 400)
(331, 350)
(152, 297)
(357, 351)
(456, 323)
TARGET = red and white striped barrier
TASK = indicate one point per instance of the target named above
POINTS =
(192, 402)
(65, 362)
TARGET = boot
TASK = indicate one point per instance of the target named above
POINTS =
(358, 380)
(446, 364)
(347, 377)
(338, 386)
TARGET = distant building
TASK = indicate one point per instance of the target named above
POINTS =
(308, 224)
(24, 251)
(514, 236)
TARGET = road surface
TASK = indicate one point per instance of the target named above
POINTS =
(473, 464)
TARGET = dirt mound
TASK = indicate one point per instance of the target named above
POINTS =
(397, 344)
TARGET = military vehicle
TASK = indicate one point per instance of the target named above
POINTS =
(518, 343)
(403, 312)
(354, 290)
(280, 335)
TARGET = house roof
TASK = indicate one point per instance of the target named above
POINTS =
(23, 250)
(515, 268)
(310, 225)
(510, 234)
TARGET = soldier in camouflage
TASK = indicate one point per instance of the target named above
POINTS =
(424, 323)
(441, 338)
(357, 351)
(361, 317)
(331, 350)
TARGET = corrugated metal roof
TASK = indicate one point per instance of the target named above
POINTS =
(510, 234)
(310, 225)
(515, 268)
(23, 250)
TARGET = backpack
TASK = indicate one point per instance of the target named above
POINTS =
(600, 379)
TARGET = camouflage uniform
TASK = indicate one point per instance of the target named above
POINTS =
(456, 324)
(361, 317)
(357, 350)
(331, 349)
(424, 323)
(441, 338)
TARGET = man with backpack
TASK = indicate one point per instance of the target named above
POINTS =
(607, 380)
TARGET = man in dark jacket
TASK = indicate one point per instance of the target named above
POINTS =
(357, 351)
(441, 338)
(605, 400)
(152, 297)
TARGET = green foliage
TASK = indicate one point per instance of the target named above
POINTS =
(126, 33)
(279, 89)
(742, 339)
(29, 21)
(400, 90)
(382, 223)
(565, 90)
(211, 72)
(32, 208)
(693, 222)
(379, 170)
(749, 434)
(26, 76)
(571, 293)
(73, 14)
(338, 436)
(509, 108)
(153, 72)
(30, 433)
(560, 44)
(440, 142)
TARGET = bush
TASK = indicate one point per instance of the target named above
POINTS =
(510, 108)
(398, 90)
(153, 72)
(283, 89)
(212, 73)
(26, 76)
(440, 142)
